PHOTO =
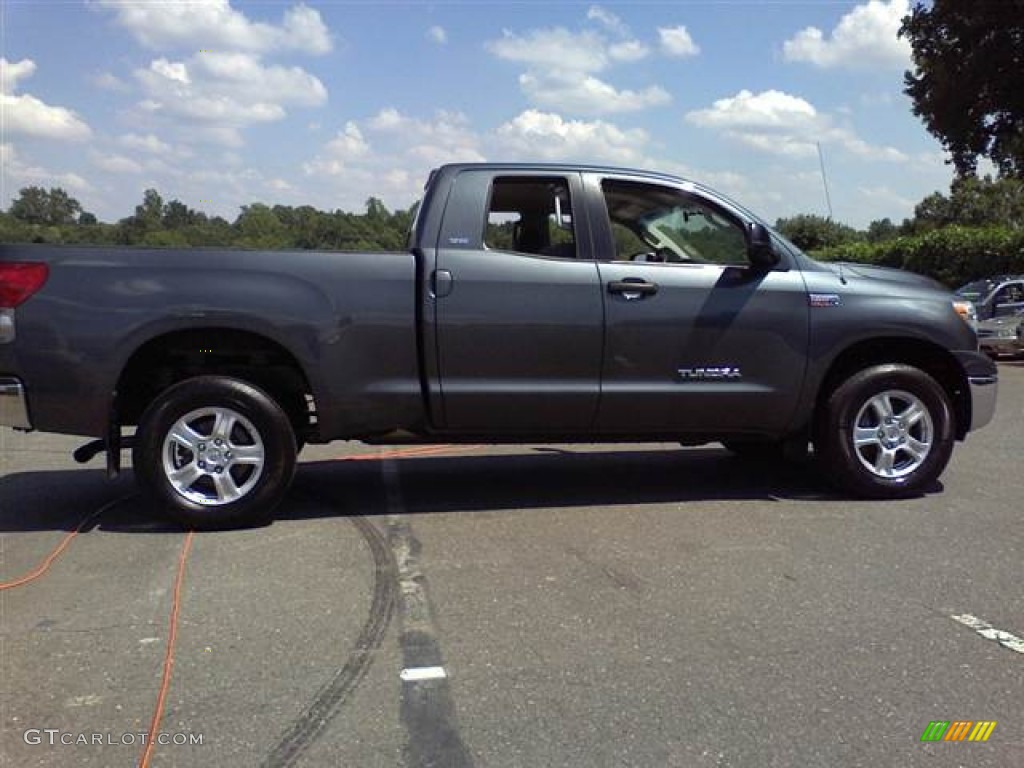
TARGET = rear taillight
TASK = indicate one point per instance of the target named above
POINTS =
(19, 280)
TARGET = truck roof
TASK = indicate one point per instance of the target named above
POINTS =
(563, 167)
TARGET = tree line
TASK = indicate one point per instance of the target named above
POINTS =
(53, 216)
(39, 215)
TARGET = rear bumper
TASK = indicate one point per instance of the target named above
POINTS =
(13, 405)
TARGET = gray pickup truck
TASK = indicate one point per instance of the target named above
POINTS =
(536, 303)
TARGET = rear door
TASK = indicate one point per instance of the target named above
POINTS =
(697, 340)
(518, 306)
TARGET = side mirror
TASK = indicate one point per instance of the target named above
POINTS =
(760, 250)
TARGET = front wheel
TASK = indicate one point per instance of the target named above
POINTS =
(886, 432)
(216, 452)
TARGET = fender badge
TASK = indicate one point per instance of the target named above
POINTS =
(710, 373)
(824, 299)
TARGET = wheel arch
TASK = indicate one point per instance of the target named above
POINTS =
(173, 356)
(931, 358)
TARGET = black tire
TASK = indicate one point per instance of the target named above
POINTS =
(903, 421)
(215, 452)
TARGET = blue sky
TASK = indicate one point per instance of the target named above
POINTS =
(220, 103)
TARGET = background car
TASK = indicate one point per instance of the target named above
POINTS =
(1002, 335)
(995, 296)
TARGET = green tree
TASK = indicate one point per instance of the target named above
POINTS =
(376, 210)
(973, 202)
(258, 227)
(148, 218)
(882, 229)
(150, 214)
(177, 215)
(812, 233)
(966, 83)
(53, 207)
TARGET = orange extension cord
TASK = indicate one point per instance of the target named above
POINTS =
(172, 638)
(44, 566)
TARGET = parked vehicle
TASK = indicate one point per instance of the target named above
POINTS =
(535, 303)
(1002, 335)
(995, 296)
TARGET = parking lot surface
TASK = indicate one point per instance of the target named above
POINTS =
(455, 606)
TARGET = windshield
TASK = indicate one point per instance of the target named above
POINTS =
(979, 289)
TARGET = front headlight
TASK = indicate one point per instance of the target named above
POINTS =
(968, 312)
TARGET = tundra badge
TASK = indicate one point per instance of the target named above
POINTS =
(710, 373)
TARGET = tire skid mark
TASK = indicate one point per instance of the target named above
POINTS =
(337, 691)
(428, 710)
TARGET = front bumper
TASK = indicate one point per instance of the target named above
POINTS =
(983, 386)
(983, 399)
(1002, 345)
(13, 405)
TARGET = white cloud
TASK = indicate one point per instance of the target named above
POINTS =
(171, 70)
(214, 25)
(769, 109)
(349, 143)
(347, 147)
(24, 114)
(783, 124)
(588, 95)
(608, 20)
(548, 136)
(16, 172)
(147, 143)
(388, 156)
(447, 138)
(886, 198)
(438, 35)
(676, 41)
(630, 50)
(403, 151)
(115, 163)
(110, 82)
(866, 37)
(555, 49)
(389, 119)
(12, 72)
(215, 95)
(561, 68)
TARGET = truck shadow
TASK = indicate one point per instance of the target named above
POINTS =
(64, 500)
(537, 478)
(542, 478)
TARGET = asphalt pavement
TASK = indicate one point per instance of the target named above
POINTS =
(506, 606)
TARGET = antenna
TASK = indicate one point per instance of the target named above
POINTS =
(824, 178)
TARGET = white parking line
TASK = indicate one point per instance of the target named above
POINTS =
(989, 632)
(415, 674)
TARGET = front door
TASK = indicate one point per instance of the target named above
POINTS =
(697, 340)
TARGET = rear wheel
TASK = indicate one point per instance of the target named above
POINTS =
(216, 452)
(886, 432)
